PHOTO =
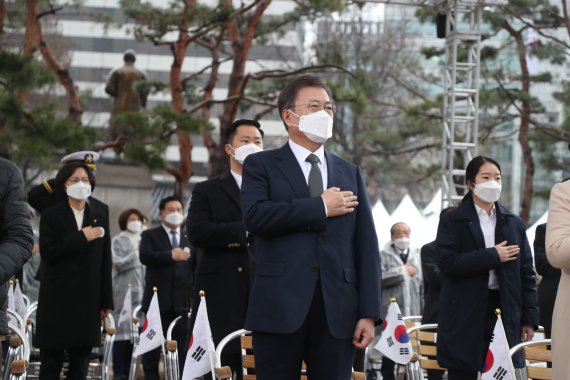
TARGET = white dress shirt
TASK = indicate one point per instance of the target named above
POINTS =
(488, 224)
(237, 177)
(301, 155)
(78, 217)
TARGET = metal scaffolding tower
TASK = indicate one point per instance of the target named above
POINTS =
(461, 93)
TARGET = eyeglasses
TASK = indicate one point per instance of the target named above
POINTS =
(75, 180)
(316, 106)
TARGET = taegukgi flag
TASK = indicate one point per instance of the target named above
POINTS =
(12, 302)
(498, 364)
(126, 311)
(201, 351)
(151, 335)
(19, 302)
(394, 341)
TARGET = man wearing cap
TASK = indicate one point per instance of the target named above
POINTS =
(46, 194)
(215, 228)
(121, 86)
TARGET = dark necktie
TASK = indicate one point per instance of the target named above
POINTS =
(315, 177)
(174, 239)
(404, 257)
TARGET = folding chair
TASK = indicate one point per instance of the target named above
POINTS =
(423, 338)
(18, 354)
(537, 355)
(248, 358)
(171, 362)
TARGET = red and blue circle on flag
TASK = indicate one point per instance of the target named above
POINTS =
(489, 361)
(401, 334)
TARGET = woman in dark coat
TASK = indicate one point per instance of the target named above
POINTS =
(75, 290)
(486, 263)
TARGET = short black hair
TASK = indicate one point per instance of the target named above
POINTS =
(475, 164)
(232, 129)
(165, 200)
(124, 217)
(67, 171)
(288, 95)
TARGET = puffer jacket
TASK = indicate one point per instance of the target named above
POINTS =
(16, 235)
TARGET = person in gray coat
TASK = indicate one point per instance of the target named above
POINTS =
(127, 271)
(401, 279)
(16, 235)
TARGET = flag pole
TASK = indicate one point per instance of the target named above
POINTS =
(155, 290)
(202, 295)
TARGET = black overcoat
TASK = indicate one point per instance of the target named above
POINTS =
(215, 227)
(432, 283)
(75, 277)
(464, 265)
(548, 286)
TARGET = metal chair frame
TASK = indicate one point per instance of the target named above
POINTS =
(543, 373)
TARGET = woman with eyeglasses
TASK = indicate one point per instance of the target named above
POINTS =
(485, 264)
(75, 275)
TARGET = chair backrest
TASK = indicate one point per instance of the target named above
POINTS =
(538, 355)
(424, 339)
(248, 358)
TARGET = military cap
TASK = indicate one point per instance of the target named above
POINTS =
(87, 156)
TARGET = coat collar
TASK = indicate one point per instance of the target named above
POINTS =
(229, 185)
(466, 212)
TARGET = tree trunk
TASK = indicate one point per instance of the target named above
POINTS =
(33, 41)
(525, 115)
(2, 16)
(184, 172)
(241, 45)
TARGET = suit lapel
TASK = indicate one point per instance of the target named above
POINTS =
(332, 170)
(287, 163)
(229, 185)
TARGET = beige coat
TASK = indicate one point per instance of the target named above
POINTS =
(558, 253)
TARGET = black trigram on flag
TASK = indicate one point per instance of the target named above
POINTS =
(404, 351)
(400, 318)
(500, 373)
(151, 334)
(390, 341)
(492, 337)
(198, 353)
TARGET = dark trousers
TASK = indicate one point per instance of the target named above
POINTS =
(122, 353)
(52, 362)
(454, 374)
(280, 356)
(151, 359)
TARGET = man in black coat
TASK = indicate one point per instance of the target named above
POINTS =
(548, 286)
(16, 236)
(216, 229)
(165, 251)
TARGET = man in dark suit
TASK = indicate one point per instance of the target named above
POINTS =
(216, 229)
(316, 287)
(548, 286)
(165, 251)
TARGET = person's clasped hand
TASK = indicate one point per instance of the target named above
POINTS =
(339, 202)
(180, 254)
(507, 252)
(92, 233)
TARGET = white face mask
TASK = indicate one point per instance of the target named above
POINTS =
(402, 243)
(489, 191)
(135, 226)
(174, 218)
(79, 191)
(317, 126)
(241, 152)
